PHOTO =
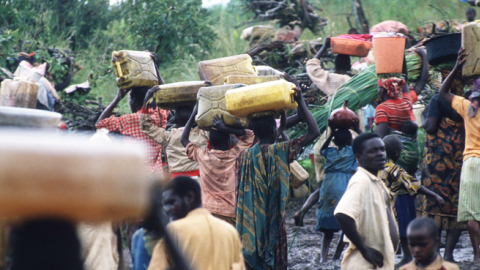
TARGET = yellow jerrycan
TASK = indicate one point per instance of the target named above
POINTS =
(211, 102)
(217, 69)
(249, 80)
(18, 93)
(269, 96)
(471, 43)
(173, 95)
(134, 69)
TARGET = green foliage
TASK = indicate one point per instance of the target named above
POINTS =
(188, 34)
(172, 29)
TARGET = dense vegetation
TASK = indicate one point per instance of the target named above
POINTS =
(180, 32)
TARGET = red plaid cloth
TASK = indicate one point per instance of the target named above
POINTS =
(129, 126)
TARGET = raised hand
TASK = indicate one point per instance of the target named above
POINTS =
(150, 94)
(462, 57)
(121, 93)
(218, 123)
(292, 79)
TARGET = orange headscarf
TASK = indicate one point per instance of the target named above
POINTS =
(393, 85)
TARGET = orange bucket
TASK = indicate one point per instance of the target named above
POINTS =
(350, 47)
(389, 53)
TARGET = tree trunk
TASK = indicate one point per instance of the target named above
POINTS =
(360, 19)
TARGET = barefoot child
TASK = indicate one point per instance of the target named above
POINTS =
(423, 241)
(398, 181)
(340, 165)
(217, 166)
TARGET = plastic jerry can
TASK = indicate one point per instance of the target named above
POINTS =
(267, 71)
(18, 93)
(217, 69)
(63, 171)
(173, 95)
(29, 118)
(211, 102)
(269, 96)
(471, 43)
(298, 175)
(249, 80)
(134, 69)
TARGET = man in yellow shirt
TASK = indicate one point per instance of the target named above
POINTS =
(468, 202)
(207, 242)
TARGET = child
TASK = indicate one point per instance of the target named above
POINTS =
(409, 127)
(177, 160)
(402, 187)
(423, 242)
(340, 165)
(217, 166)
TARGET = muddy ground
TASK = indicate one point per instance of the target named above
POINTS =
(304, 254)
(305, 251)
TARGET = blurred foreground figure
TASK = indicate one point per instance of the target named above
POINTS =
(207, 242)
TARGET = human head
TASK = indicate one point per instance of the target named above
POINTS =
(471, 13)
(342, 64)
(219, 140)
(181, 195)
(409, 127)
(265, 129)
(342, 137)
(136, 97)
(182, 114)
(369, 150)
(352, 31)
(423, 240)
(393, 146)
(390, 88)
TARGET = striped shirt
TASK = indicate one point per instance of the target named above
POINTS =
(395, 112)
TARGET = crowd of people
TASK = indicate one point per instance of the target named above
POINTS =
(227, 189)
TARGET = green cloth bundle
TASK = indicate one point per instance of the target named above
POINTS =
(360, 90)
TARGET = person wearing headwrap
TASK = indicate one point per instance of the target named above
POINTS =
(395, 109)
(397, 99)
(469, 201)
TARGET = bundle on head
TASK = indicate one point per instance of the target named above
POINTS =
(360, 90)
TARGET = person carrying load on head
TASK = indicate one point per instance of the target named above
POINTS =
(129, 124)
(177, 160)
(217, 166)
(468, 203)
(262, 177)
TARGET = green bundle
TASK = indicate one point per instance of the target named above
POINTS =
(360, 90)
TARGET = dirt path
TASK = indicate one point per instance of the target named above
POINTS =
(305, 251)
